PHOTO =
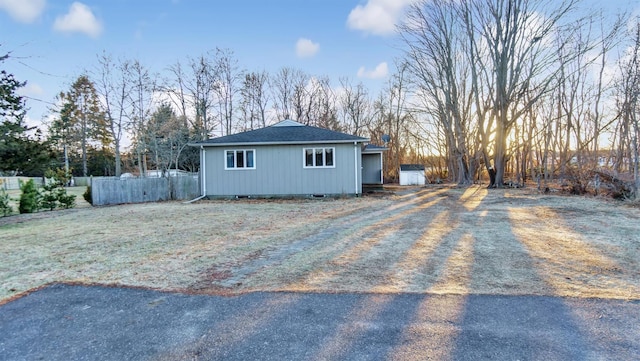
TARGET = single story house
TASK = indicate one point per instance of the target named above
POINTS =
(287, 159)
(412, 174)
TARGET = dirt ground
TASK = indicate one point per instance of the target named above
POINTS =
(441, 240)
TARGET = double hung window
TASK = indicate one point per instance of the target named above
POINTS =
(240, 159)
(319, 157)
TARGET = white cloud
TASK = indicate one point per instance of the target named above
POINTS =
(80, 19)
(25, 11)
(377, 17)
(306, 48)
(381, 71)
(31, 89)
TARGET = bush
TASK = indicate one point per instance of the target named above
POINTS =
(49, 197)
(66, 201)
(30, 197)
(54, 194)
(5, 208)
(87, 195)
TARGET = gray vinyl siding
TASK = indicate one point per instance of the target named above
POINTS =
(279, 171)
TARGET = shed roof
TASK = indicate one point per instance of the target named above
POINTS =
(285, 132)
(372, 148)
(411, 167)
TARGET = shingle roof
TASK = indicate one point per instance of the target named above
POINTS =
(372, 148)
(286, 132)
(411, 167)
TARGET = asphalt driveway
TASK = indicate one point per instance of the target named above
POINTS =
(64, 322)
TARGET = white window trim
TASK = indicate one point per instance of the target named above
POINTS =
(304, 157)
(224, 154)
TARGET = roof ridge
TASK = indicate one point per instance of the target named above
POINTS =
(288, 123)
(284, 134)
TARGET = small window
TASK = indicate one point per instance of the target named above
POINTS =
(230, 159)
(308, 157)
(328, 154)
(319, 158)
(240, 159)
(249, 154)
(319, 161)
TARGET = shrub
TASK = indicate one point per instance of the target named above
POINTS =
(30, 197)
(5, 208)
(87, 195)
(48, 196)
(66, 201)
(54, 194)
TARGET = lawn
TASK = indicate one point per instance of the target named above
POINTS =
(444, 240)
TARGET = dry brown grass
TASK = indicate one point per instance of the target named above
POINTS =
(436, 240)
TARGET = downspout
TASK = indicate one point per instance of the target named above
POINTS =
(381, 168)
(203, 177)
(355, 166)
(203, 169)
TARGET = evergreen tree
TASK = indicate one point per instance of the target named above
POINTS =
(166, 136)
(30, 198)
(21, 152)
(5, 207)
(81, 124)
(54, 195)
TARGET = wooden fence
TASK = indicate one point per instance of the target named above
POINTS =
(8, 183)
(82, 181)
(110, 190)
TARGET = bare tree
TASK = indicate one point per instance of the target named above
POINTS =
(141, 98)
(301, 97)
(176, 89)
(321, 107)
(226, 87)
(510, 51)
(255, 100)
(628, 93)
(434, 35)
(114, 88)
(201, 89)
(283, 86)
(192, 91)
(355, 106)
(391, 117)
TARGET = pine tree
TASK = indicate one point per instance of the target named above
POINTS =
(81, 123)
(21, 152)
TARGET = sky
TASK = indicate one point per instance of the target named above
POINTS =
(52, 42)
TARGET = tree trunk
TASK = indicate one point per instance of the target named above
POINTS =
(84, 148)
(492, 177)
(636, 181)
(117, 157)
(499, 154)
(66, 161)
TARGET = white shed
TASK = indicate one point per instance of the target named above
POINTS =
(412, 174)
